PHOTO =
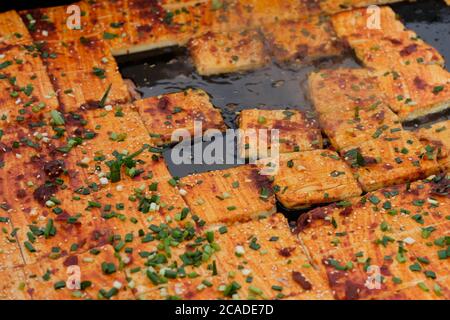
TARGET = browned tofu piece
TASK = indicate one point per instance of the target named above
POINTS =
(437, 135)
(149, 27)
(92, 275)
(12, 29)
(229, 196)
(396, 232)
(360, 23)
(383, 162)
(26, 92)
(386, 45)
(257, 260)
(312, 177)
(163, 115)
(297, 132)
(35, 190)
(58, 23)
(132, 181)
(404, 48)
(303, 40)
(416, 92)
(12, 284)
(349, 89)
(217, 53)
(82, 72)
(351, 126)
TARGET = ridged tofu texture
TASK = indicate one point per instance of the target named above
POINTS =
(215, 53)
(311, 177)
(76, 67)
(25, 89)
(438, 136)
(242, 192)
(402, 243)
(296, 131)
(254, 260)
(164, 115)
(302, 40)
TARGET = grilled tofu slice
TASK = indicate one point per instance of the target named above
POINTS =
(352, 126)
(281, 272)
(163, 115)
(313, 177)
(75, 68)
(60, 23)
(12, 29)
(405, 228)
(302, 41)
(228, 196)
(129, 176)
(35, 189)
(26, 92)
(437, 135)
(12, 284)
(350, 89)
(416, 92)
(92, 275)
(297, 132)
(217, 53)
(385, 45)
(405, 48)
(384, 162)
(362, 23)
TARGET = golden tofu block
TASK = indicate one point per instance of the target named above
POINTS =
(313, 177)
(303, 40)
(350, 89)
(142, 189)
(416, 92)
(26, 92)
(395, 232)
(405, 49)
(297, 132)
(151, 27)
(163, 115)
(385, 45)
(384, 162)
(352, 126)
(228, 196)
(12, 29)
(218, 53)
(257, 260)
(35, 191)
(77, 67)
(437, 135)
(60, 23)
(362, 23)
(92, 275)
